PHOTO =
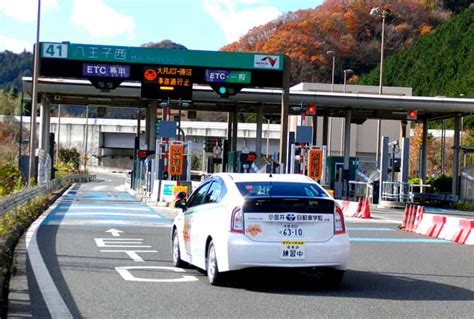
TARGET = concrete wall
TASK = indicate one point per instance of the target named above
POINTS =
(363, 137)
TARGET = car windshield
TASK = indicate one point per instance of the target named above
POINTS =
(280, 189)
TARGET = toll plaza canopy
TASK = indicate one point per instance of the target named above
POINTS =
(134, 76)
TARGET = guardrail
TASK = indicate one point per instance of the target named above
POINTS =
(19, 198)
(396, 191)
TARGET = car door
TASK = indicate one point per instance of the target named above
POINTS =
(192, 209)
(208, 221)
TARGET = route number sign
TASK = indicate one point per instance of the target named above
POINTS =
(315, 163)
(54, 50)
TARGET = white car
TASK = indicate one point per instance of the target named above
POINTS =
(236, 221)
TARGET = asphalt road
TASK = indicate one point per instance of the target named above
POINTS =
(107, 256)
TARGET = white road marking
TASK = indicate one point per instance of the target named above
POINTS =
(121, 242)
(52, 298)
(127, 275)
(114, 232)
(131, 253)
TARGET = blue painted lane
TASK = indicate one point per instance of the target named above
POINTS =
(370, 229)
(80, 208)
(400, 240)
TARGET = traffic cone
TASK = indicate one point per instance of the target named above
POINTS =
(359, 208)
(405, 217)
(365, 209)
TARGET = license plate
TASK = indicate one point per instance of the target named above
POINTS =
(292, 250)
(290, 231)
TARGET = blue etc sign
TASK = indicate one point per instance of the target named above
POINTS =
(106, 70)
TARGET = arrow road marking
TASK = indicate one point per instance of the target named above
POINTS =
(114, 232)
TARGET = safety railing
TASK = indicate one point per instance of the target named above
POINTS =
(16, 199)
(397, 192)
(359, 189)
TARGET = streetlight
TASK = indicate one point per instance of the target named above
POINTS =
(382, 13)
(333, 55)
(31, 164)
(346, 72)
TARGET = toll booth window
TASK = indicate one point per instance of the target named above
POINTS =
(280, 189)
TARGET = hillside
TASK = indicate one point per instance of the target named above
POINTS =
(13, 67)
(345, 27)
(441, 63)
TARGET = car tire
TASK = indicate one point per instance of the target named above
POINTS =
(212, 268)
(332, 278)
(175, 251)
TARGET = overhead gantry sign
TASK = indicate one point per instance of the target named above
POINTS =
(163, 73)
(170, 73)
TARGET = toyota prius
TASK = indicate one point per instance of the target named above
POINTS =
(236, 221)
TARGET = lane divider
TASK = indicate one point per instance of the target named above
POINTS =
(454, 229)
(359, 209)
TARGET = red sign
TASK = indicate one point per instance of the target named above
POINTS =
(315, 164)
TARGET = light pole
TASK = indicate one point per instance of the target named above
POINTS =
(31, 164)
(382, 13)
(333, 55)
(86, 139)
(346, 72)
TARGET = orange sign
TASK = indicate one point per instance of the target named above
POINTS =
(176, 159)
(315, 164)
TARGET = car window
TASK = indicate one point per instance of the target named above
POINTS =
(280, 189)
(198, 196)
(214, 193)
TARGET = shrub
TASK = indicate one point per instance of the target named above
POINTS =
(69, 157)
(440, 184)
(10, 178)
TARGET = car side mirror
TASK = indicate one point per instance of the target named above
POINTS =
(181, 204)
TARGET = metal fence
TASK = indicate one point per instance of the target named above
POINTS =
(467, 184)
(19, 198)
(397, 191)
(360, 189)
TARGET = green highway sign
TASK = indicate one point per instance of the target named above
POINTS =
(159, 56)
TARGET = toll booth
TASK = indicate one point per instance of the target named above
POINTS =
(240, 162)
(335, 167)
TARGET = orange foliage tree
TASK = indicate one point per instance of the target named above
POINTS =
(345, 27)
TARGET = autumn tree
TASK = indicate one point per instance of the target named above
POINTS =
(345, 27)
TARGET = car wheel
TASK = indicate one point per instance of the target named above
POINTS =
(213, 274)
(176, 253)
(332, 278)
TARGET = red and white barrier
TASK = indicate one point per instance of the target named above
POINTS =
(455, 229)
(359, 209)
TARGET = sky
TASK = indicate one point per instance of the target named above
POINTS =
(196, 24)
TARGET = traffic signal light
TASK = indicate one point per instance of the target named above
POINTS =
(412, 115)
(311, 110)
(225, 90)
(143, 154)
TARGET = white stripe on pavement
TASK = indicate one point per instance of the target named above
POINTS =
(54, 302)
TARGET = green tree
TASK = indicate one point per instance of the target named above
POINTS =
(69, 157)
